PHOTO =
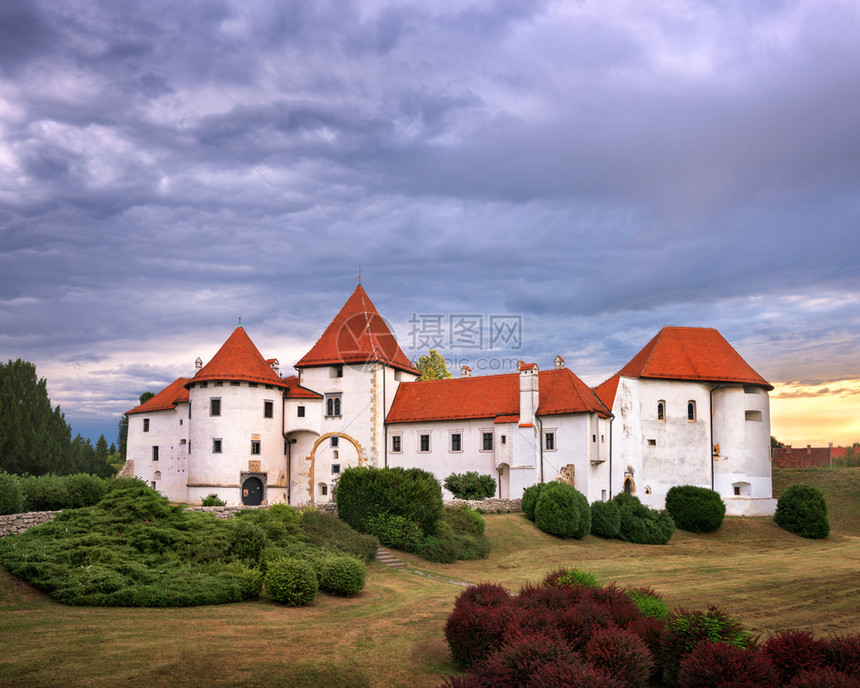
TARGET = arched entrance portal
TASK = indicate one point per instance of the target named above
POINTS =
(252, 492)
(629, 487)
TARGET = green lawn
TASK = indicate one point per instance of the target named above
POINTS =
(392, 633)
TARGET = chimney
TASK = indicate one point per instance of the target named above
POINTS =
(465, 371)
(275, 365)
(198, 364)
(808, 448)
(559, 362)
(529, 392)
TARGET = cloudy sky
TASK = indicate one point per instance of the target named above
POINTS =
(597, 169)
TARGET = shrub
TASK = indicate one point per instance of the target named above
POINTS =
(522, 653)
(438, 549)
(563, 511)
(343, 575)
(569, 578)
(470, 485)
(685, 630)
(648, 602)
(714, 664)
(11, 497)
(642, 525)
(802, 510)
(605, 519)
(828, 677)
(843, 653)
(572, 674)
(212, 500)
(474, 631)
(696, 509)
(530, 500)
(324, 529)
(365, 492)
(84, 489)
(395, 531)
(792, 652)
(248, 542)
(623, 654)
(484, 595)
(291, 581)
(44, 493)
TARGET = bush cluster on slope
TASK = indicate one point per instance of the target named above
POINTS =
(802, 510)
(470, 485)
(696, 509)
(563, 510)
(135, 549)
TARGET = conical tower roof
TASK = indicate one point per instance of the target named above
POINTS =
(239, 359)
(358, 334)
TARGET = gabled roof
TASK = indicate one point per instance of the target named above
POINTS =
(358, 334)
(238, 359)
(605, 391)
(692, 353)
(295, 391)
(175, 393)
(491, 396)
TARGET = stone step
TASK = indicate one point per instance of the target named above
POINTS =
(385, 557)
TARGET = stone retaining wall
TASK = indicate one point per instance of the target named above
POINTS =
(18, 523)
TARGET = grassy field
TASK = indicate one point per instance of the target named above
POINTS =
(392, 633)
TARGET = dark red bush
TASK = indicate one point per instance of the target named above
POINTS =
(484, 595)
(791, 652)
(520, 657)
(473, 632)
(718, 665)
(616, 602)
(578, 623)
(621, 653)
(649, 629)
(828, 677)
(572, 674)
(842, 652)
(551, 597)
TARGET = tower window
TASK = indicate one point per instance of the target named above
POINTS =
(691, 411)
(661, 410)
(332, 405)
(334, 441)
(155, 453)
(268, 409)
(215, 407)
(216, 446)
(255, 446)
(300, 412)
(146, 424)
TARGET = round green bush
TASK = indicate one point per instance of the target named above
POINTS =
(696, 509)
(470, 485)
(641, 525)
(11, 497)
(563, 511)
(291, 581)
(802, 510)
(605, 519)
(530, 499)
(343, 575)
(395, 531)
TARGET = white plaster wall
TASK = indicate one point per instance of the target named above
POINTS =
(627, 440)
(168, 431)
(241, 420)
(313, 415)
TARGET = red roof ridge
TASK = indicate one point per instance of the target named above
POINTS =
(175, 393)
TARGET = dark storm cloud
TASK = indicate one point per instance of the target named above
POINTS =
(169, 167)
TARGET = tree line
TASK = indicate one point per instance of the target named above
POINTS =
(35, 437)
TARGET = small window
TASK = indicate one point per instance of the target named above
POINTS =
(146, 423)
(155, 453)
(216, 446)
(152, 484)
(424, 443)
(218, 384)
(602, 440)
(456, 442)
(652, 443)
(300, 412)
(503, 439)
(335, 468)
(180, 421)
(334, 441)
(753, 415)
(323, 489)
(234, 383)
(487, 441)
(215, 407)
(268, 409)
(204, 384)
(252, 384)
(268, 386)
(332, 405)
(661, 410)
(691, 411)
(594, 438)
(337, 371)
(396, 443)
(549, 441)
(255, 446)
(737, 489)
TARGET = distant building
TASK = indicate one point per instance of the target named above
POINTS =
(686, 410)
(806, 457)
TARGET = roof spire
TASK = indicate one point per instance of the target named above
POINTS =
(358, 276)
(240, 321)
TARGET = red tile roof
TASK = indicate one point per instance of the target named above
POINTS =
(166, 399)
(295, 391)
(606, 390)
(490, 396)
(239, 359)
(358, 334)
(506, 419)
(692, 353)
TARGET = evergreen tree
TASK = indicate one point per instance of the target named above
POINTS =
(122, 435)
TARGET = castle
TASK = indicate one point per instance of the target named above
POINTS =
(686, 410)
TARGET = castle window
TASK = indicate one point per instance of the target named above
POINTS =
(323, 489)
(549, 441)
(396, 444)
(218, 384)
(337, 371)
(691, 411)
(255, 446)
(652, 443)
(504, 439)
(216, 446)
(334, 441)
(335, 468)
(268, 409)
(215, 407)
(146, 424)
(456, 442)
(332, 405)
(424, 443)
(155, 453)
(157, 475)
(252, 384)
(661, 410)
(487, 441)
(300, 412)
(752, 415)
(235, 383)
(594, 438)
